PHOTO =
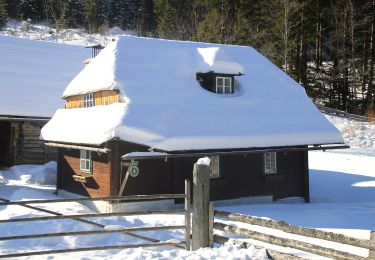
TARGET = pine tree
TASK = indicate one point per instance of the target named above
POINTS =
(3, 13)
(145, 18)
(176, 19)
(95, 14)
(123, 13)
(219, 24)
(31, 9)
(13, 8)
(75, 13)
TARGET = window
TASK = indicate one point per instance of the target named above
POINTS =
(86, 161)
(88, 100)
(270, 163)
(215, 167)
(224, 85)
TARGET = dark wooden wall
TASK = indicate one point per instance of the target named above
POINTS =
(154, 177)
(240, 175)
(24, 145)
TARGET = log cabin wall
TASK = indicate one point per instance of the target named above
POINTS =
(242, 176)
(27, 148)
(101, 98)
(97, 185)
(155, 175)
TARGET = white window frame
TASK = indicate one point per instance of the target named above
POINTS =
(85, 161)
(88, 100)
(226, 89)
(215, 167)
(270, 163)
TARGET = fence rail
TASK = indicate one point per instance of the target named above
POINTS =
(344, 114)
(292, 229)
(79, 217)
(298, 230)
(82, 249)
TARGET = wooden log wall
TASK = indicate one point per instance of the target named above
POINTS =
(27, 147)
(101, 98)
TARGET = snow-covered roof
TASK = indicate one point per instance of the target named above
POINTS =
(33, 75)
(166, 108)
(215, 59)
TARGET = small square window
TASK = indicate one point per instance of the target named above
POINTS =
(224, 85)
(88, 100)
(86, 161)
(270, 166)
(215, 167)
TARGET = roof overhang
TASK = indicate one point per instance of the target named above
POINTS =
(166, 156)
(78, 147)
(23, 118)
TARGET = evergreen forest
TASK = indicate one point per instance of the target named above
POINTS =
(325, 45)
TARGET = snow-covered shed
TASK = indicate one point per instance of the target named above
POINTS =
(174, 97)
(33, 75)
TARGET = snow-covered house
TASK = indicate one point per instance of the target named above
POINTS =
(173, 97)
(33, 75)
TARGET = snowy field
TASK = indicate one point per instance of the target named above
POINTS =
(342, 191)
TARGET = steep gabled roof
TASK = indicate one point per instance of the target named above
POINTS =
(167, 109)
(33, 75)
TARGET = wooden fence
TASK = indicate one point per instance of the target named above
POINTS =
(79, 217)
(292, 243)
(204, 226)
(344, 114)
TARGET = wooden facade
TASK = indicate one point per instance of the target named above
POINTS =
(101, 98)
(20, 143)
(240, 175)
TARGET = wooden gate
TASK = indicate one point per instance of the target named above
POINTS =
(150, 242)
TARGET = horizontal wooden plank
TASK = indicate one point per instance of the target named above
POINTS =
(112, 198)
(91, 215)
(92, 232)
(298, 230)
(96, 248)
(285, 242)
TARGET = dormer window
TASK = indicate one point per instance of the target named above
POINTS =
(217, 82)
(224, 85)
(88, 100)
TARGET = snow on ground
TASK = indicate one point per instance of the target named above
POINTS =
(44, 32)
(342, 187)
(26, 182)
(355, 133)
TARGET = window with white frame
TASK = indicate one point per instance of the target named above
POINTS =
(270, 163)
(86, 161)
(224, 85)
(215, 167)
(88, 100)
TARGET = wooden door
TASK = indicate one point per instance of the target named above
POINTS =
(5, 143)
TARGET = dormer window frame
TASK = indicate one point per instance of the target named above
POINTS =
(88, 100)
(209, 81)
(226, 84)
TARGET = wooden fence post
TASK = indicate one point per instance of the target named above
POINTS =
(201, 192)
(371, 253)
(187, 214)
(211, 216)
